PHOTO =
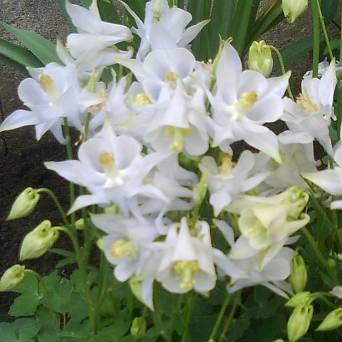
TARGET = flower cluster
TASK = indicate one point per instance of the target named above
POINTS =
(156, 154)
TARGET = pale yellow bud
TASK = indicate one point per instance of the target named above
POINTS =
(332, 321)
(138, 327)
(301, 298)
(38, 241)
(299, 322)
(293, 9)
(24, 204)
(12, 277)
(260, 58)
(299, 275)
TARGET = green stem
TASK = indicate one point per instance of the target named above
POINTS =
(324, 29)
(229, 319)
(315, 248)
(282, 68)
(219, 318)
(316, 38)
(341, 37)
(70, 157)
(57, 203)
(190, 306)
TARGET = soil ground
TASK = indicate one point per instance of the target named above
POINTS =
(21, 158)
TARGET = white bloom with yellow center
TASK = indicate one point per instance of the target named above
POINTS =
(242, 102)
(246, 272)
(163, 27)
(187, 260)
(52, 93)
(312, 112)
(230, 180)
(127, 244)
(112, 168)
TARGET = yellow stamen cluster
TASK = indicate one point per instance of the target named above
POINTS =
(107, 162)
(139, 100)
(178, 134)
(227, 165)
(185, 270)
(306, 103)
(47, 84)
(170, 76)
(248, 99)
(124, 248)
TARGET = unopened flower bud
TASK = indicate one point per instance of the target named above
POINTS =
(99, 244)
(301, 298)
(80, 224)
(260, 58)
(138, 327)
(24, 204)
(38, 241)
(299, 322)
(293, 9)
(201, 189)
(12, 277)
(299, 275)
(332, 321)
(279, 340)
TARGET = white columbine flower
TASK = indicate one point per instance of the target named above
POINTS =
(266, 223)
(296, 150)
(246, 271)
(126, 244)
(163, 27)
(112, 168)
(330, 180)
(95, 39)
(187, 260)
(174, 116)
(228, 181)
(242, 102)
(313, 110)
(53, 93)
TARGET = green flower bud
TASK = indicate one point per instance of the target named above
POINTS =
(279, 340)
(12, 277)
(138, 327)
(260, 58)
(38, 241)
(201, 189)
(24, 204)
(299, 322)
(299, 275)
(332, 321)
(293, 9)
(301, 298)
(99, 244)
(80, 224)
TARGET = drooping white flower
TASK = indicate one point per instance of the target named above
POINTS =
(163, 27)
(246, 271)
(175, 117)
(228, 181)
(330, 180)
(112, 168)
(266, 223)
(242, 102)
(175, 183)
(96, 39)
(187, 260)
(126, 244)
(296, 151)
(313, 110)
(53, 93)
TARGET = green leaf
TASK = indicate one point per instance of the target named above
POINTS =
(27, 328)
(18, 54)
(329, 10)
(56, 295)
(10, 62)
(115, 332)
(42, 48)
(7, 332)
(24, 305)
